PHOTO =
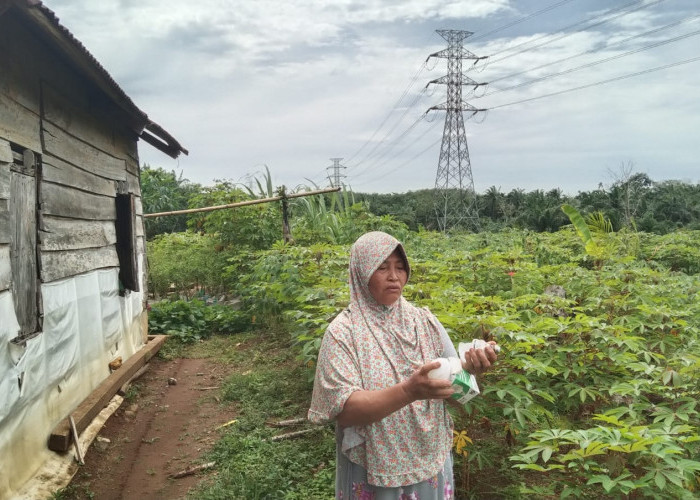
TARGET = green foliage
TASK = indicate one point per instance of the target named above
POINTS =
(187, 263)
(256, 226)
(619, 353)
(189, 321)
(163, 191)
(336, 219)
(633, 201)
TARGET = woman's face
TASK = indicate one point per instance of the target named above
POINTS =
(387, 282)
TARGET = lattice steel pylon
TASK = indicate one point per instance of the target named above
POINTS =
(335, 177)
(455, 199)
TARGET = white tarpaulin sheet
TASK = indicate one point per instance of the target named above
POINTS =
(86, 325)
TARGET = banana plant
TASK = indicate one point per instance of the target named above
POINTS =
(599, 252)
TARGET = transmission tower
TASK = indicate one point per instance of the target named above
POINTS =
(455, 203)
(335, 176)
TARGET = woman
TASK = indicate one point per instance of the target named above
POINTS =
(393, 431)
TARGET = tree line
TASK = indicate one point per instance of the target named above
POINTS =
(632, 201)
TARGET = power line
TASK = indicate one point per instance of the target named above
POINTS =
(415, 77)
(405, 92)
(521, 20)
(592, 51)
(565, 35)
(392, 144)
(431, 146)
(384, 138)
(602, 82)
(595, 63)
(427, 130)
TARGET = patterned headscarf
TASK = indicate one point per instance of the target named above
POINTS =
(370, 346)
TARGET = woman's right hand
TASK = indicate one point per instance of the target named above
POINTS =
(420, 386)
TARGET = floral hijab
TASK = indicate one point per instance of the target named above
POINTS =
(370, 346)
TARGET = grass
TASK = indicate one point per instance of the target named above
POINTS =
(269, 384)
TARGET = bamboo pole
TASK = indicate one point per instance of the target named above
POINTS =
(243, 203)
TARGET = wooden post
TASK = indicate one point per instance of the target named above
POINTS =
(286, 233)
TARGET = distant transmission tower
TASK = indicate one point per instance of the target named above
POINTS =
(335, 176)
(455, 203)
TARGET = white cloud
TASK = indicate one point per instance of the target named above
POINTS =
(291, 84)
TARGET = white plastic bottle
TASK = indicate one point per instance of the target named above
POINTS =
(448, 369)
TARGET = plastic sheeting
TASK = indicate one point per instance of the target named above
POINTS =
(86, 325)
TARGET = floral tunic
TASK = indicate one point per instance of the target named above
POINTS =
(370, 347)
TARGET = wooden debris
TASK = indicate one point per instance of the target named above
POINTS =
(285, 423)
(76, 441)
(207, 388)
(291, 435)
(192, 470)
(123, 390)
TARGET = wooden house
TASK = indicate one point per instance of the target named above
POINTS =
(72, 247)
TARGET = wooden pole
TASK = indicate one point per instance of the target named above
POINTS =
(286, 233)
(243, 203)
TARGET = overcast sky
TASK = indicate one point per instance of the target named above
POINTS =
(291, 84)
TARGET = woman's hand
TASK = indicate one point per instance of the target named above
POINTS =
(366, 407)
(420, 386)
(477, 361)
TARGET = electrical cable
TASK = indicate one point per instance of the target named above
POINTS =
(565, 35)
(431, 146)
(383, 139)
(602, 82)
(518, 21)
(592, 51)
(405, 92)
(391, 145)
(596, 63)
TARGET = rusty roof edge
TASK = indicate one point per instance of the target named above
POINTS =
(77, 52)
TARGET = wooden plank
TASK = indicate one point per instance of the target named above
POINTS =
(18, 124)
(5, 151)
(86, 156)
(4, 181)
(62, 264)
(58, 233)
(60, 439)
(18, 78)
(5, 268)
(133, 183)
(70, 115)
(5, 234)
(138, 206)
(68, 202)
(23, 250)
(59, 172)
(139, 225)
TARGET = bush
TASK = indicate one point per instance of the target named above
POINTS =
(189, 321)
(186, 262)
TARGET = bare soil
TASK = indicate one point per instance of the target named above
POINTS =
(160, 429)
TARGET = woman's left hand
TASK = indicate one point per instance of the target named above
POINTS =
(477, 361)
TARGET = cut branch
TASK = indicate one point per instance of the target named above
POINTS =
(193, 470)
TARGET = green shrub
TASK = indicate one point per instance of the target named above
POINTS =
(193, 320)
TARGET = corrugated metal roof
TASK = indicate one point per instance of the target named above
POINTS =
(48, 23)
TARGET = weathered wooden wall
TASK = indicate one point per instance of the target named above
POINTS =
(86, 148)
(5, 269)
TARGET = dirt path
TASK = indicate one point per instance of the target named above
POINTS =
(164, 429)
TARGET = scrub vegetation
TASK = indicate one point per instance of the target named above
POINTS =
(596, 390)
